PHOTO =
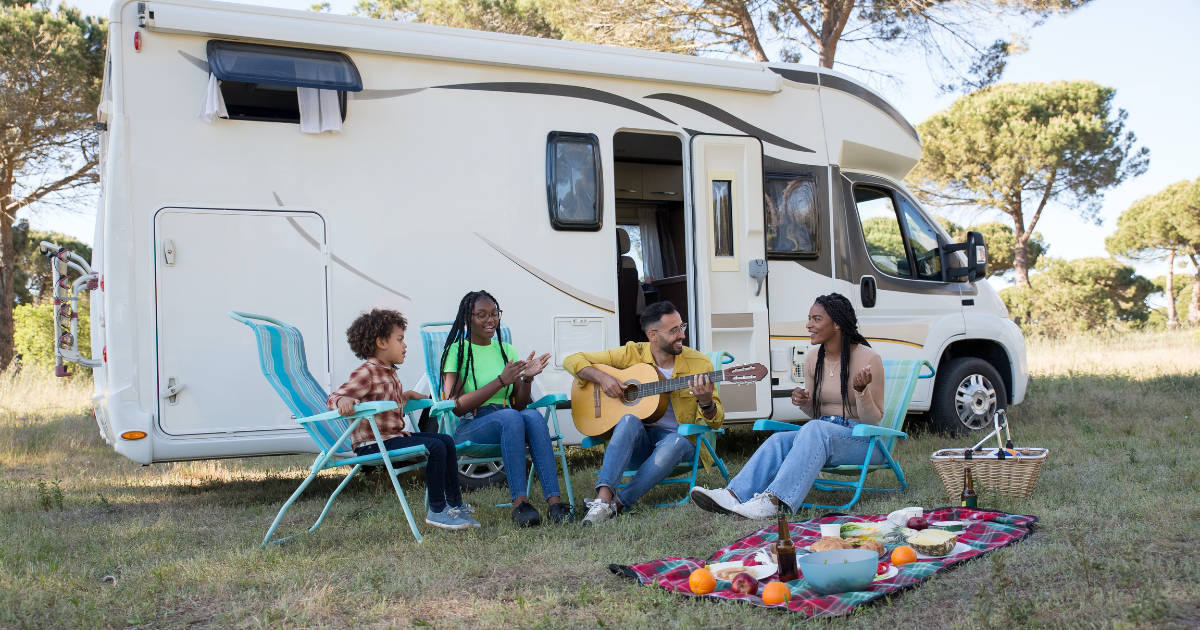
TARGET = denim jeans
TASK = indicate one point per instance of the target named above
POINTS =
(441, 469)
(512, 430)
(787, 464)
(654, 452)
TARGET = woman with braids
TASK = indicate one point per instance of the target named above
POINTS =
(844, 380)
(490, 386)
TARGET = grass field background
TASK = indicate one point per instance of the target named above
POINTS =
(1115, 547)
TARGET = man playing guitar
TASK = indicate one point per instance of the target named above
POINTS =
(654, 449)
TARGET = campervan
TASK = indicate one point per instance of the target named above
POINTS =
(308, 167)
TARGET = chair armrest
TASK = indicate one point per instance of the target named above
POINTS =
(546, 401)
(361, 410)
(775, 425)
(923, 365)
(591, 440)
(419, 404)
(864, 430)
(696, 429)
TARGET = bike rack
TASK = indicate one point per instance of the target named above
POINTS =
(66, 304)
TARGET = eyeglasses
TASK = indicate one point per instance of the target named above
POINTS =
(682, 328)
(484, 315)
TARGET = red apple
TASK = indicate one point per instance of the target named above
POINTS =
(918, 523)
(745, 583)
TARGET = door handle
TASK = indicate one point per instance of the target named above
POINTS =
(868, 291)
(758, 271)
(174, 386)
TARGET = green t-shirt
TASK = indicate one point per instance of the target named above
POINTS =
(486, 364)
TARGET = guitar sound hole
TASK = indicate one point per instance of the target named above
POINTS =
(631, 393)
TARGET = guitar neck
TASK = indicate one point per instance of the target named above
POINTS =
(673, 384)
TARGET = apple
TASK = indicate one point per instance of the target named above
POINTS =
(918, 523)
(745, 583)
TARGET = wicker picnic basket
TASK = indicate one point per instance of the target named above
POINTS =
(1011, 476)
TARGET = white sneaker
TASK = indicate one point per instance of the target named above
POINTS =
(598, 512)
(757, 509)
(720, 501)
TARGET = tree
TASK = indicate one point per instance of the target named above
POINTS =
(1019, 147)
(33, 279)
(50, 72)
(1162, 226)
(1000, 241)
(516, 17)
(1079, 295)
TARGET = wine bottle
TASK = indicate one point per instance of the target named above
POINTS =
(968, 498)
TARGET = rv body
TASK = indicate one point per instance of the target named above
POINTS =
(448, 176)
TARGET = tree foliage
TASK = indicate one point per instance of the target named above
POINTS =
(1079, 295)
(1000, 243)
(50, 75)
(35, 335)
(1018, 148)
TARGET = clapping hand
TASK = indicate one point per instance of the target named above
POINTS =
(862, 379)
(535, 365)
(512, 372)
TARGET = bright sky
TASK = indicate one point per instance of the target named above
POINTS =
(1146, 52)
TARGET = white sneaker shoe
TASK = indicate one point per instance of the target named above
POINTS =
(720, 500)
(757, 509)
(598, 512)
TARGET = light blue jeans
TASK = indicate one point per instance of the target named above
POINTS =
(787, 464)
(512, 430)
(653, 451)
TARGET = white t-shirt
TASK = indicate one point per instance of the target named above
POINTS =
(668, 421)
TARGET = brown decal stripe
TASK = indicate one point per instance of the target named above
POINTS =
(608, 306)
(720, 115)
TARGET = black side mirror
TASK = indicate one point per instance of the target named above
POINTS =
(976, 251)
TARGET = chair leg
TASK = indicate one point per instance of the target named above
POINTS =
(412, 524)
(329, 503)
(562, 454)
(292, 499)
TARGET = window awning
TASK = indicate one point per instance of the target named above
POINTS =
(279, 65)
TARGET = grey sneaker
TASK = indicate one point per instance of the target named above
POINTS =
(445, 519)
(464, 513)
(599, 512)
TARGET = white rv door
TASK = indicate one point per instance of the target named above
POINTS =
(210, 262)
(730, 250)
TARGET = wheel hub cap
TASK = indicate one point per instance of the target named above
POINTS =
(975, 401)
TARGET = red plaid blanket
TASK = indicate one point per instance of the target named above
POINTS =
(986, 531)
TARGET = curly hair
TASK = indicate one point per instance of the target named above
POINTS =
(377, 324)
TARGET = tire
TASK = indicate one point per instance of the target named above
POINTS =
(472, 476)
(966, 395)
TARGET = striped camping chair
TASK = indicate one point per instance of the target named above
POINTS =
(899, 382)
(281, 355)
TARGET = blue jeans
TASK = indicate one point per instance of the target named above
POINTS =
(787, 464)
(654, 452)
(512, 430)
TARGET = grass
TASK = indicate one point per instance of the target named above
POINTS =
(90, 539)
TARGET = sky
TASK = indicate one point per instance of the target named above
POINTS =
(1146, 49)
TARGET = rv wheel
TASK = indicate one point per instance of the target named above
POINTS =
(472, 476)
(966, 394)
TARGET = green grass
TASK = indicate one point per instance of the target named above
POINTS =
(1115, 546)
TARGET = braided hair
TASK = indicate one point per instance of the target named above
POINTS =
(460, 331)
(841, 311)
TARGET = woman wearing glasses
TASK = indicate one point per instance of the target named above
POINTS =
(490, 385)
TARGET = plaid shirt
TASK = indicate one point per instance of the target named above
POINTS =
(373, 381)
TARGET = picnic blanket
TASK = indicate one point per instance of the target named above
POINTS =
(985, 532)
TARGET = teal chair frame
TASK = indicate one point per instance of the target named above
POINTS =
(469, 452)
(900, 380)
(282, 359)
(703, 434)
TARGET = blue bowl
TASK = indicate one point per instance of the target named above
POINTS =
(839, 571)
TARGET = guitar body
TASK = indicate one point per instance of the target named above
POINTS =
(594, 412)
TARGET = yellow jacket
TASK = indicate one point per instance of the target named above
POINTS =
(691, 362)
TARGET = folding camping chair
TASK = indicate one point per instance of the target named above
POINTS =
(281, 356)
(705, 437)
(470, 453)
(900, 380)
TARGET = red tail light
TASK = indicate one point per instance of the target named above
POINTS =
(137, 41)
(104, 354)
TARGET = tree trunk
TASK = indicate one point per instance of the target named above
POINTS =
(8, 258)
(1021, 249)
(746, 24)
(1172, 316)
(1194, 307)
(832, 23)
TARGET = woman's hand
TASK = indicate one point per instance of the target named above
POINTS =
(800, 397)
(535, 365)
(862, 379)
(512, 372)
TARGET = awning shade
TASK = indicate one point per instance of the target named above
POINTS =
(279, 65)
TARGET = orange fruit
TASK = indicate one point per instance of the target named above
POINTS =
(702, 582)
(903, 555)
(776, 593)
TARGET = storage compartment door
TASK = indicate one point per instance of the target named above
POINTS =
(731, 313)
(209, 262)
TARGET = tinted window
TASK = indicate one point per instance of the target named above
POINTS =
(573, 181)
(279, 65)
(881, 229)
(923, 241)
(722, 192)
(791, 209)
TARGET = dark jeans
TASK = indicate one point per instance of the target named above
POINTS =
(441, 471)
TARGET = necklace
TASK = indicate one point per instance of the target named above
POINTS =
(831, 366)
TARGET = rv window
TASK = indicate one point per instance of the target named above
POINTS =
(923, 241)
(722, 192)
(881, 229)
(266, 103)
(791, 208)
(573, 182)
(278, 65)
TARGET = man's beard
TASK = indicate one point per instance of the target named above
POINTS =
(670, 349)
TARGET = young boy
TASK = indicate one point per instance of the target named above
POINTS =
(377, 337)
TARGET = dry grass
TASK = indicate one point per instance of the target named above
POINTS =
(1115, 547)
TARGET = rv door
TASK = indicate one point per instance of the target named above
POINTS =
(730, 261)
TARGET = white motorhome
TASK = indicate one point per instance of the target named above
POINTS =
(455, 160)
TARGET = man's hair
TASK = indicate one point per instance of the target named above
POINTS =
(654, 314)
(377, 324)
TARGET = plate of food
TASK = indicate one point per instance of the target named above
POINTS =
(729, 570)
(829, 543)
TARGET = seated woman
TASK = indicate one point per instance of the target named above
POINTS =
(490, 388)
(783, 469)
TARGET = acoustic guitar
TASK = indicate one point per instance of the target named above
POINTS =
(646, 394)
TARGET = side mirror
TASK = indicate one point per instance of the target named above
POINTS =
(977, 258)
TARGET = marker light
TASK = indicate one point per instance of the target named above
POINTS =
(137, 41)
(133, 435)
(101, 283)
(104, 354)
